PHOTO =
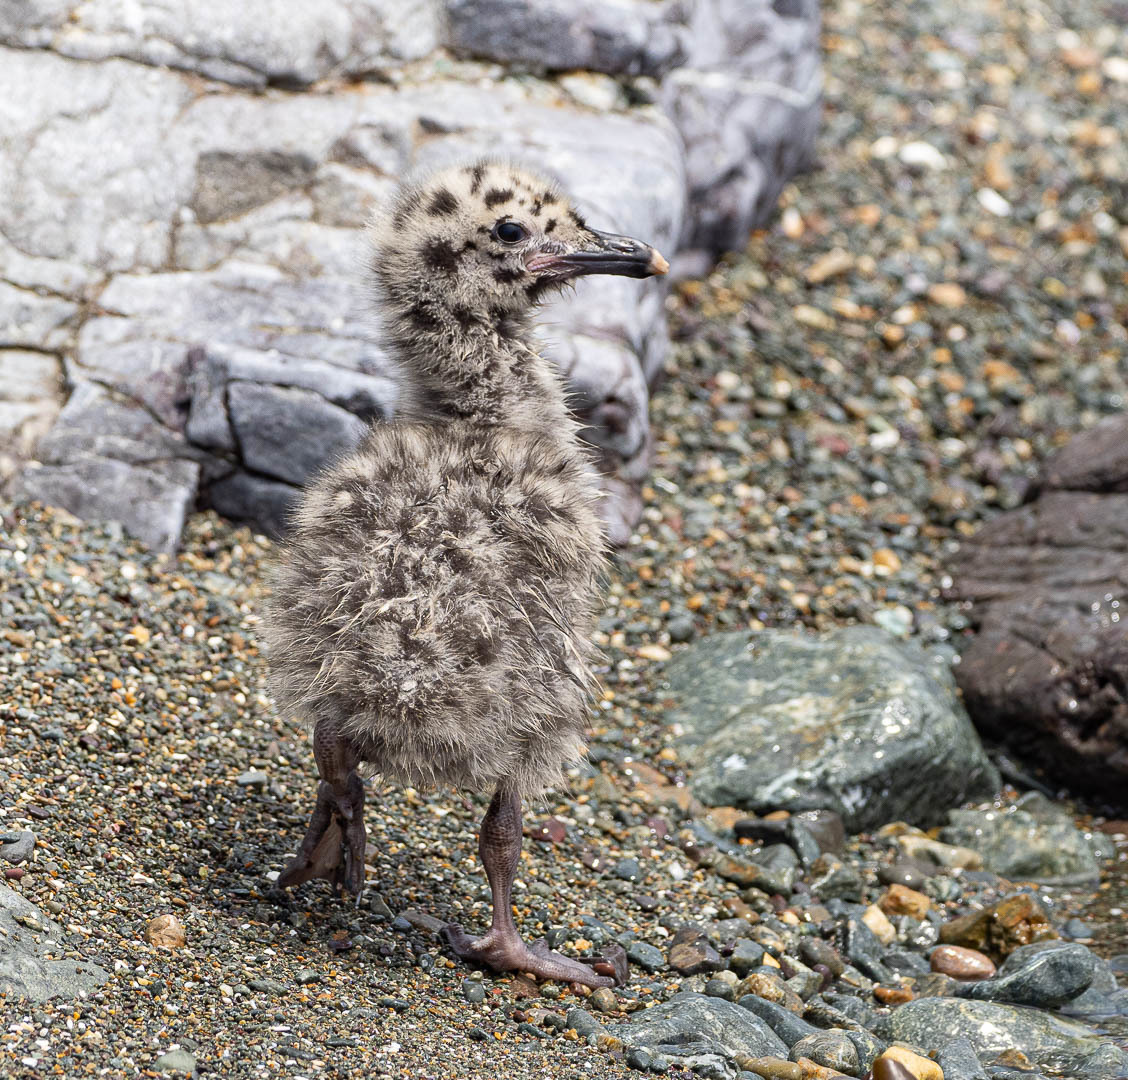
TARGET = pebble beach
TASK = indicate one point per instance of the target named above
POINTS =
(940, 304)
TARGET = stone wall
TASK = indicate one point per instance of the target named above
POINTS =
(182, 309)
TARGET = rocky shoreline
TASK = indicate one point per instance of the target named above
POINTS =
(874, 380)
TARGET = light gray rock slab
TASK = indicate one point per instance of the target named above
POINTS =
(248, 44)
(620, 37)
(1069, 1048)
(852, 721)
(151, 501)
(30, 319)
(30, 947)
(90, 173)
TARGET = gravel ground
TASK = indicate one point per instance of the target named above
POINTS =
(940, 304)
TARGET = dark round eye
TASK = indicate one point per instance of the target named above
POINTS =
(509, 232)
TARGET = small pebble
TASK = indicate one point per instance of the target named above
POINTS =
(960, 963)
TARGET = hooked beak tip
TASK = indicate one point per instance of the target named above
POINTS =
(658, 264)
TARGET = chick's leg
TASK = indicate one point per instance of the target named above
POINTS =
(333, 846)
(501, 947)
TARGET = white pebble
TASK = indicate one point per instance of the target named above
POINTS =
(922, 154)
(993, 202)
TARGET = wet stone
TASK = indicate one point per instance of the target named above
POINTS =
(473, 991)
(582, 1021)
(646, 956)
(693, 958)
(1046, 976)
(785, 1023)
(721, 988)
(960, 963)
(1002, 927)
(16, 846)
(746, 956)
(831, 1049)
(604, 1000)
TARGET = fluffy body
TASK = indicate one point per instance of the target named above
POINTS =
(436, 600)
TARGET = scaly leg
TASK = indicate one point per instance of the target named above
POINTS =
(501, 947)
(333, 846)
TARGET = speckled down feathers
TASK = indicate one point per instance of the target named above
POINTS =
(437, 596)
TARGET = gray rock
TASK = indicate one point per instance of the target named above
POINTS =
(29, 968)
(106, 458)
(1045, 975)
(16, 847)
(176, 1061)
(648, 957)
(696, 1031)
(1095, 460)
(289, 434)
(1033, 840)
(1052, 1043)
(851, 720)
(629, 37)
(29, 319)
(958, 1061)
(151, 501)
(266, 504)
(830, 1048)
(784, 1023)
(582, 1021)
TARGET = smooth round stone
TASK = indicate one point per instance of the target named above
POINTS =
(967, 965)
(473, 991)
(814, 950)
(910, 873)
(885, 1068)
(604, 999)
(831, 1049)
(720, 988)
(915, 1066)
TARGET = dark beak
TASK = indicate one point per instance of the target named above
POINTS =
(609, 254)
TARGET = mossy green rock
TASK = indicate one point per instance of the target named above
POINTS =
(853, 721)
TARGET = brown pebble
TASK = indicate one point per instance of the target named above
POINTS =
(915, 1067)
(892, 995)
(812, 1070)
(885, 1068)
(771, 989)
(998, 930)
(14, 873)
(166, 932)
(900, 900)
(967, 965)
(550, 831)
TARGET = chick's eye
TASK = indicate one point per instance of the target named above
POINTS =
(509, 232)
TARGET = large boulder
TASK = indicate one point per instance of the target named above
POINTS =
(229, 224)
(853, 721)
(1046, 671)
